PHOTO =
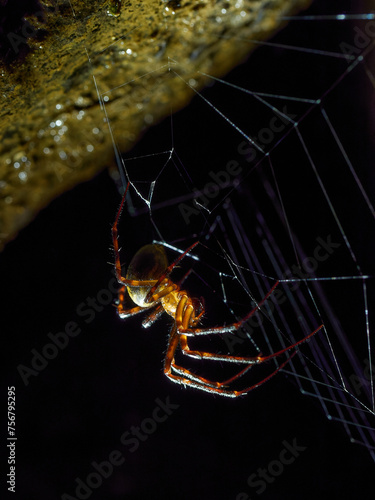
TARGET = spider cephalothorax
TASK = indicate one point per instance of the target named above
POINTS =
(148, 284)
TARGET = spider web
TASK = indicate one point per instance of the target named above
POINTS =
(277, 185)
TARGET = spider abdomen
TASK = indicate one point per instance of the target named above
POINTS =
(149, 263)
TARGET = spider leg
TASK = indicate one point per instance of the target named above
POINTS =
(215, 357)
(226, 383)
(240, 359)
(185, 377)
(121, 310)
(121, 279)
(184, 278)
(242, 372)
(167, 272)
(249, 361)
(153, 316)
(263, 381)
(169, 287)
(228, 328)
(185, 311)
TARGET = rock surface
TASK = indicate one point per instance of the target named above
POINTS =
(67, 65)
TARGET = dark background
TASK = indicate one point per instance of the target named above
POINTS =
(108, 377)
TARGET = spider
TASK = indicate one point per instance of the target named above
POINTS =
(148, 284)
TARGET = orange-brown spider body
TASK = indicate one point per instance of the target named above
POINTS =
(150, 264)
(148, 284)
